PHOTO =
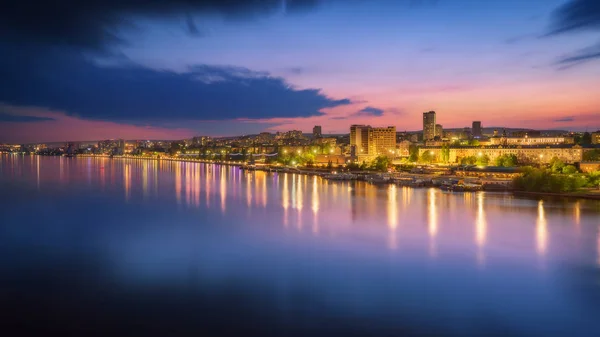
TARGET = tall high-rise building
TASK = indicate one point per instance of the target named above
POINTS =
(428, 125)
(359, 138)
(439, 131)
(476, 129)
(317, 132)
(370, 141)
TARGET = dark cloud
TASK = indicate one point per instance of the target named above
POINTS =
(580, 56)
(565, 119)
(94, 24)
(192, 28)
(66, 80)
(4, 117)
(576, 15)
(369, 111)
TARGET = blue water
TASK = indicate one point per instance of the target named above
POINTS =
(112, 246)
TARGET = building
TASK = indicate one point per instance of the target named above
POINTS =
(331, 141)
(368, 142)
(112, 146)
(359, 139)
(589, 166)
(531, 141)
(317, 132)
(383, 141)
(200, 141)
(264, 138)
(524, 154)
(526, 133)
(476, 129)
(439, 131)
(403, 148)
(428, 125)
(596, 137)
(455, 135)
(334, 159)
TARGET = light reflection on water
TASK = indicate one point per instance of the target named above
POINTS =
(429, 257)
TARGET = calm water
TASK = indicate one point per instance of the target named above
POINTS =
(100, 245)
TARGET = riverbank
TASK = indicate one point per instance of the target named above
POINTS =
(422, 180)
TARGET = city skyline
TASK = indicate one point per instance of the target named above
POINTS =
(162, 71)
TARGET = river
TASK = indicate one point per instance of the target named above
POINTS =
(103, 246)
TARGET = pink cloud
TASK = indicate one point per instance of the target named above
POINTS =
(63, 127)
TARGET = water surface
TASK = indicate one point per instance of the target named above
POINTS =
(102, 246)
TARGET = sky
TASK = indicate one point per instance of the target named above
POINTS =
(74, 70)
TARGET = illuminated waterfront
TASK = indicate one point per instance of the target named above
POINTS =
(185, 245)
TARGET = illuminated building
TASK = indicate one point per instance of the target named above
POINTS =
(200, 140)
(403, 148)
(596, 137)
(382, 141)
(531, 141)
(317, 132)
(524, 154)
(359, 139)
(428, 125)
(264, 138)
(439, 131)
(369, 142)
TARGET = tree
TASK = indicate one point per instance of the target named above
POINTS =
(470, 160)
(586, 139)
(352, 166)
(593, 179)
(413, 151)
(569, 169)
(591, 155)
(445, 153)
(427, 157)
(483, 160)
(380, 163)
(506, 160)
(176, 147)
(543, 180)
(556, 165)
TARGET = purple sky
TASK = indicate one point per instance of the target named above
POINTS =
(179, 69)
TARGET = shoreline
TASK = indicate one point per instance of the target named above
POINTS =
(571, 195)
